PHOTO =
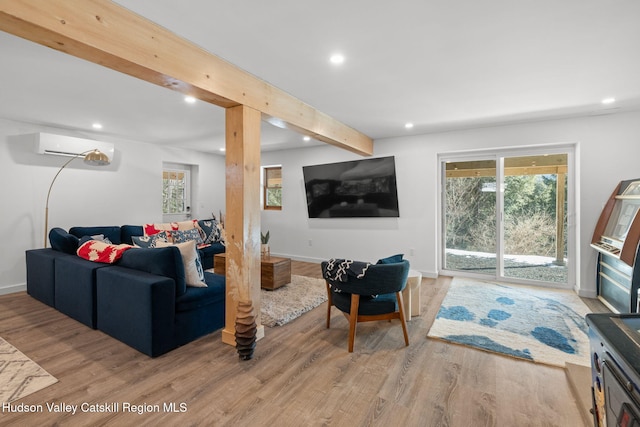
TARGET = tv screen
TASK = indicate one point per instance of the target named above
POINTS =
(359, 188)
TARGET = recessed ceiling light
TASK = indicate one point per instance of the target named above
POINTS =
(96, 126)
(189, 99)
(223, 149)
(337, 58)
(607, 101)
(408, 125)
(307, 138)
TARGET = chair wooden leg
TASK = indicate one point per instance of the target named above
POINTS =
(402, 319)
(353, 319)
(329, 304)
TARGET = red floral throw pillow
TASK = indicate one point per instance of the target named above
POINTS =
(151, 229)
(95, 250)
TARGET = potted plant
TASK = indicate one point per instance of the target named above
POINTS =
(264, 247)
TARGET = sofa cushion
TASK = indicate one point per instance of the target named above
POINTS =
(110, 232)
(150, 241)
(385, 303)
(181, 236)
(193, 271)
(75, 288)
(98, 251)
(127, 231)
(99, 237)
(136, 307)
(207, 253)
(63, 241)
(160, 261)
(209, 231)
(199, 297)
(41, 273)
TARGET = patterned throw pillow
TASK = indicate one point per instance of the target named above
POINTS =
(193, 271)
(95, 250)
(209, 230)
(151, 229)
(181, 236)
(150, 241)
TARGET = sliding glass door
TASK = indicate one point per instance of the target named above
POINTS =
(535, 222)
(470, 217)
(506, 216)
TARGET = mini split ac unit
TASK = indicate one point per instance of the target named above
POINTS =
(60, 145)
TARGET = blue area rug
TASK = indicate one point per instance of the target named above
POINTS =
(541, 325)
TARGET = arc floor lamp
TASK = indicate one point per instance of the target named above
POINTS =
(93, 157)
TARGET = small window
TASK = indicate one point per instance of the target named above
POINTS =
(272, 190)
(175, 191)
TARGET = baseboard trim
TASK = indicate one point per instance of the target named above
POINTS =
(428, 274)
(586, 293)
(12, 289)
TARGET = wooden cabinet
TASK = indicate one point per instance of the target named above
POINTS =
(274, 271)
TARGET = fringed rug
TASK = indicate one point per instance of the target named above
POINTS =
(541, 325)
(19, 375)
(290, 301)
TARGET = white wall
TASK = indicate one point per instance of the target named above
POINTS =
(608, 152)
(129, 191)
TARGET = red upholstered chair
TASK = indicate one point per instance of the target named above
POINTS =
(375, 296)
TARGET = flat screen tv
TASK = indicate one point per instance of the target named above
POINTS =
(359, 188)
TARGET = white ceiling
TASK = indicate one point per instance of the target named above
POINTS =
(441, 65)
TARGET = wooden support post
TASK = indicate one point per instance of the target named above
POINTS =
(242, 218)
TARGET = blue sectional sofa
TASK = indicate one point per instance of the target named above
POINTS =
(142, 299)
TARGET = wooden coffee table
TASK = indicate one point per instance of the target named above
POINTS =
(274, 271)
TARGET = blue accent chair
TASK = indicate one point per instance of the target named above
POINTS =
(376, 296)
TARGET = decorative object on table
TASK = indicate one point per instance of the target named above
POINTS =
(274, 271)
(20, 376)
(264, 247)
(92, 157)
(542, 325)
(246, 330)
(282, 305)
(220, 225)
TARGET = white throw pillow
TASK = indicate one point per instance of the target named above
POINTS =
(193, 271)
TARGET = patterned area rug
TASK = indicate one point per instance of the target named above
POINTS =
(290, 301)
(541, 325)
(19, 375)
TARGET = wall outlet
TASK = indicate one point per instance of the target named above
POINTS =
(310, 242)
(411, 251)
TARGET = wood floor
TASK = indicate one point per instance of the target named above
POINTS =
(301, 375)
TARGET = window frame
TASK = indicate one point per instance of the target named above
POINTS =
(186, 190)
(266, 188)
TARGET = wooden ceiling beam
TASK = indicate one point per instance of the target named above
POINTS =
(108, 34)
